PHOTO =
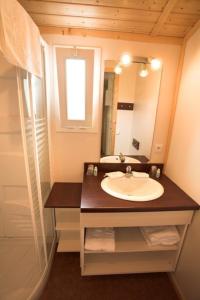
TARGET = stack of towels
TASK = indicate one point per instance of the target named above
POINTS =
(116, 174)
(160, 235)
(100, 239)
(140, 174)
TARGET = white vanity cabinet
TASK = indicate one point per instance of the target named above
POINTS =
(132, 254)
(81, 206)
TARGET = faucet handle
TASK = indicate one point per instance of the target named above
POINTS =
(121, 157)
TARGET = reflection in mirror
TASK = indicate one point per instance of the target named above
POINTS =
(129, 109)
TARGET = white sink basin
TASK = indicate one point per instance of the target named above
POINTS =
(115, 159)
(132, 188)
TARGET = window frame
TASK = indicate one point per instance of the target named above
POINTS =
(92, 56)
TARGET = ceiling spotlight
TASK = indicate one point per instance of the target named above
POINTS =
(118, 70)
(126, 59)
(143, 72)
(155, 64)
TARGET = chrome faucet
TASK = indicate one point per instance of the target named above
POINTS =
(128, 171)
(122, 157)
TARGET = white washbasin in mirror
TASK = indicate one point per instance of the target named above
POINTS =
(132, 188)
(115, 159)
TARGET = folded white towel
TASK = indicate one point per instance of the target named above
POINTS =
(100, 239)
(140, 174)
(116, 174)
(160, 235)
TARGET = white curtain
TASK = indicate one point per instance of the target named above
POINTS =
(19, 37)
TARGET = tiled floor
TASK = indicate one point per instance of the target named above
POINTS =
(66, 283)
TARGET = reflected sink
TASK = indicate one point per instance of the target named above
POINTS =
(132, 188)
(115, 159)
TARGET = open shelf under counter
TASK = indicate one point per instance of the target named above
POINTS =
(124, 263)
(68, 219)
(130, 239)
(69, 241)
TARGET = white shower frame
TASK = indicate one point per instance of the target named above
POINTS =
(39, 286)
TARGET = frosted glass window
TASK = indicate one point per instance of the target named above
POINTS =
(77, 83)
(75, 76)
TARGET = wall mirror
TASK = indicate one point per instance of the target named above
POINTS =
(130, 100)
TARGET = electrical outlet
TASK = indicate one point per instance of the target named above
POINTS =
(159, 147)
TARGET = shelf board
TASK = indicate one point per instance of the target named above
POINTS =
(69, 241)
(130, 239)
(122, 263)
(67, 226)
(65, 195)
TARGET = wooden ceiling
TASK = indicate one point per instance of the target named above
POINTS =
(161, 18)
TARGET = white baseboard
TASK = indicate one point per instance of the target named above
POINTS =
(36, 293)
(176, 286)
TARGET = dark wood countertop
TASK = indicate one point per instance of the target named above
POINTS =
(94, 199)
(65, 195)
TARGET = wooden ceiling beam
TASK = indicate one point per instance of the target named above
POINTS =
(92, 23)
(136, 18)
(110, 35)
(163, 17)
(192, 31)
(150, 5)
(88, 11)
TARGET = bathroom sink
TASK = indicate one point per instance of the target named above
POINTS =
(115, 159)
(132, 188)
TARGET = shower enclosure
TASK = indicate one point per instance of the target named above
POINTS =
(27, 236)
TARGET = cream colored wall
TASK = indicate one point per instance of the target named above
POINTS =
(127, 78)
(71, 150)
(144, 114)
(183, 165)
(124, 132)
(124, 120)
(184, 153)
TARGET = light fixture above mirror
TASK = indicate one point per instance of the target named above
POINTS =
(143, 71)
(118, 69)
(147, 64)
(155, 63)
(126, 59)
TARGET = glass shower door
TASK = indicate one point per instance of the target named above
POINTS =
(20, 267)
(42, 150)
(26, 228)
